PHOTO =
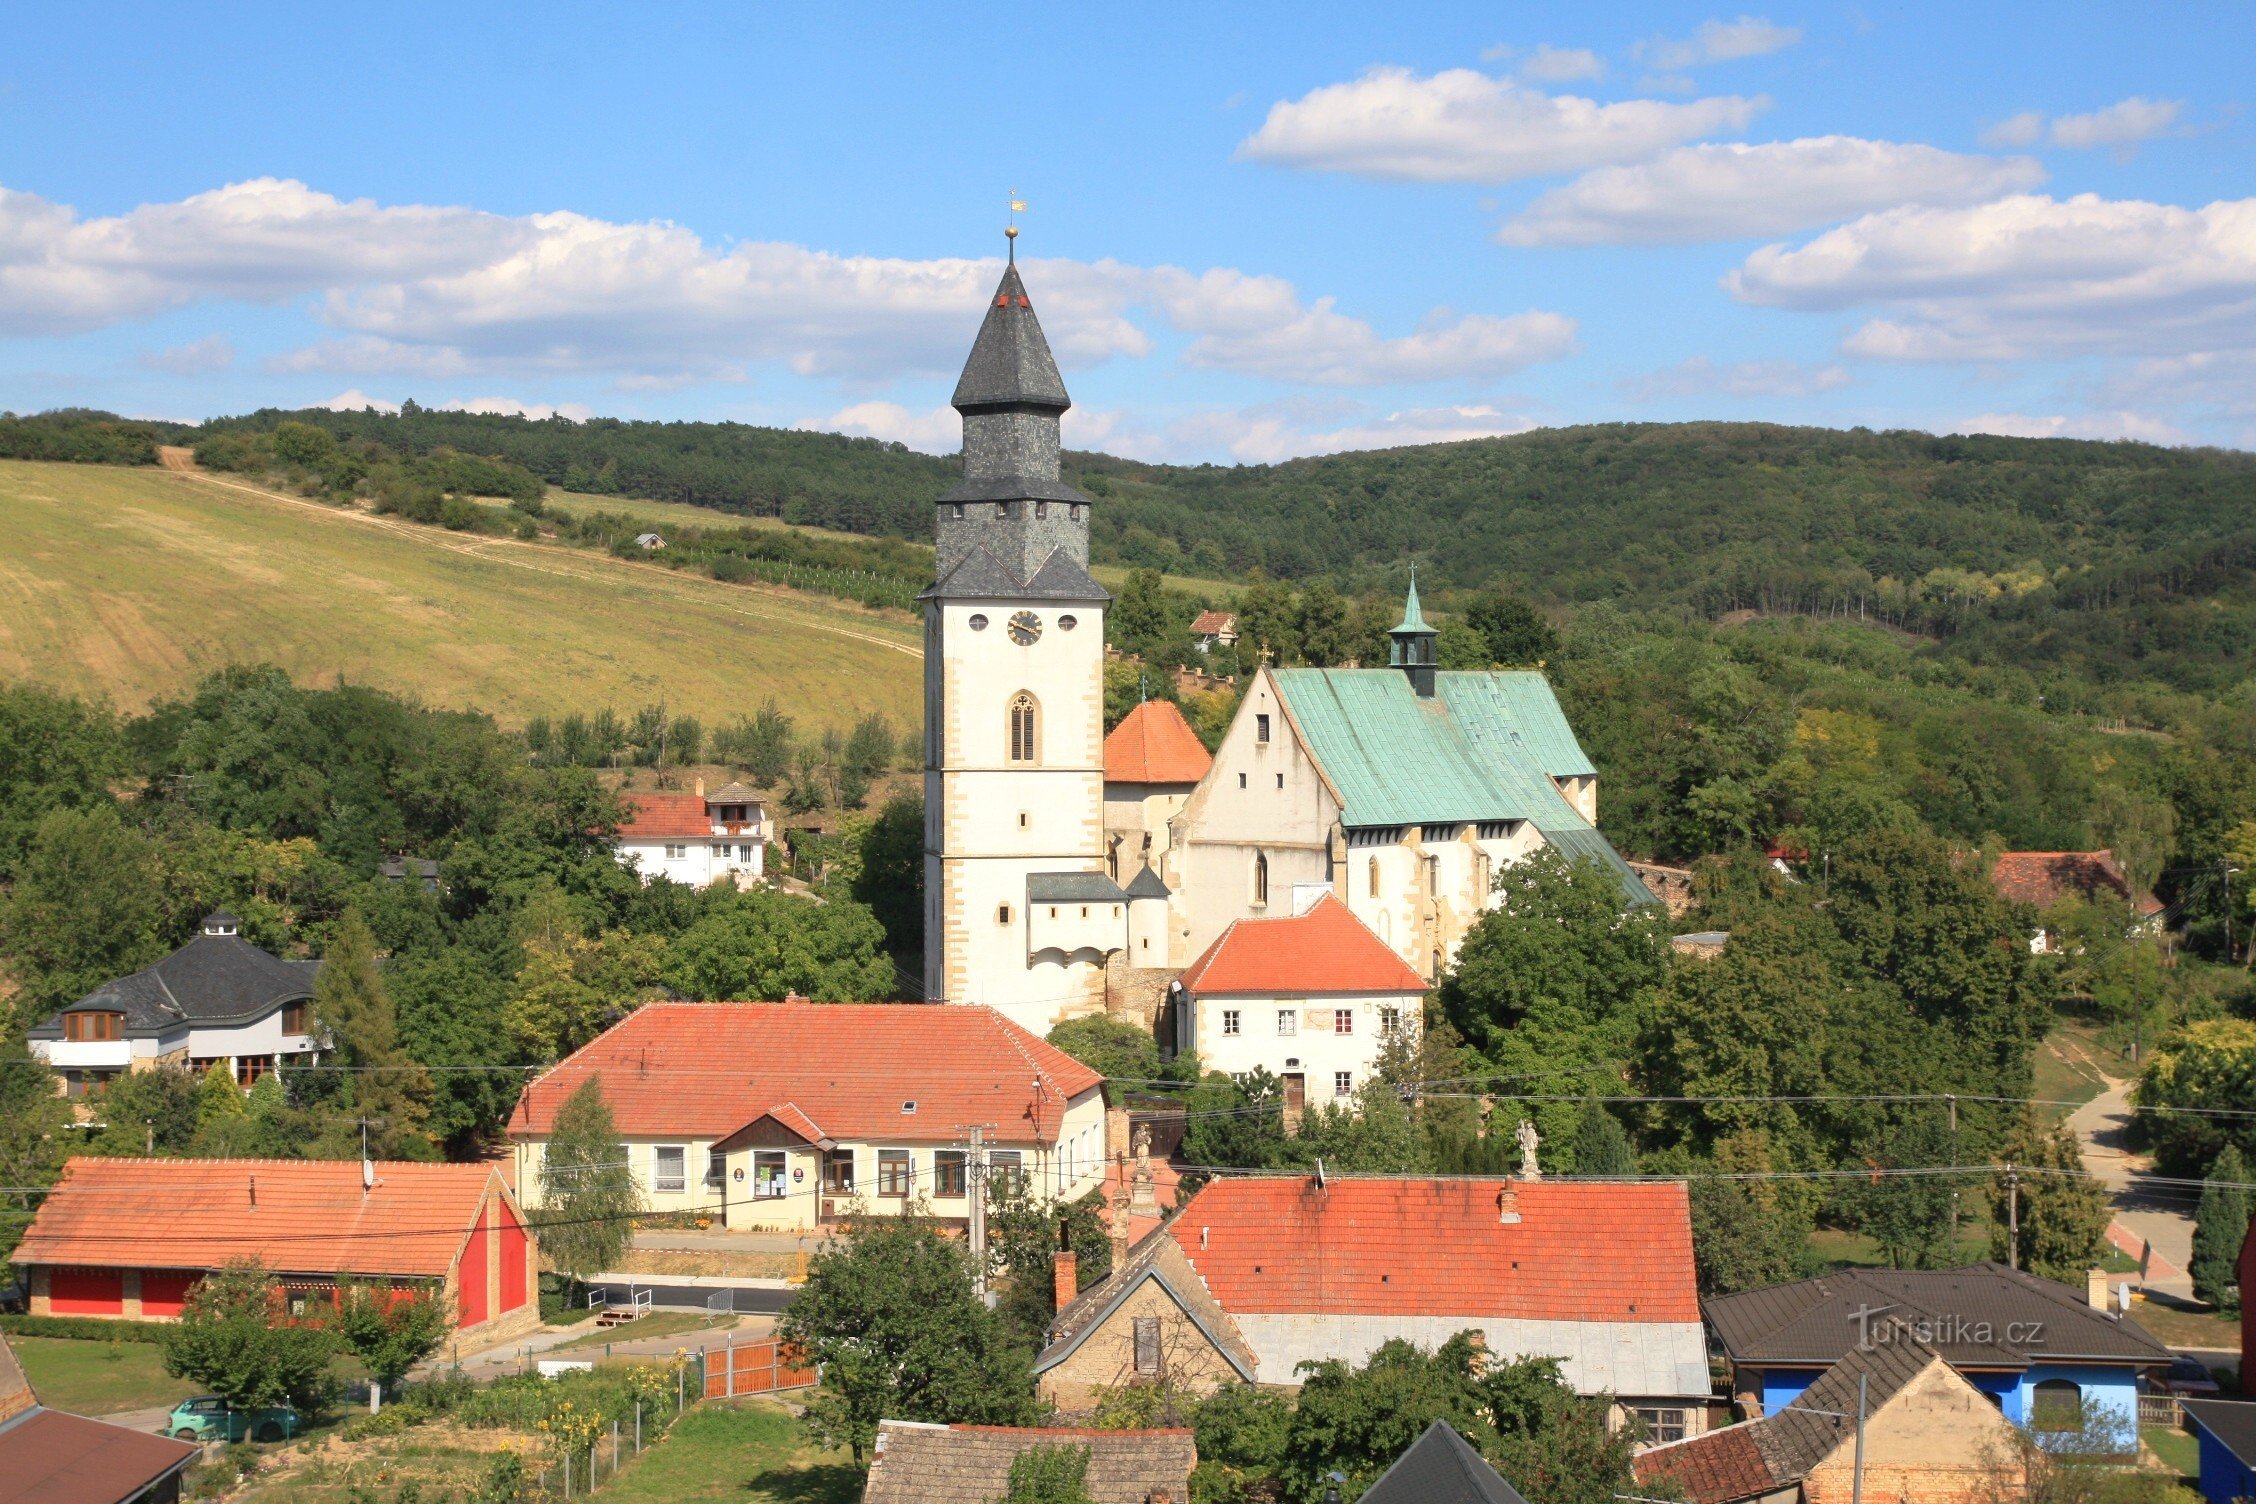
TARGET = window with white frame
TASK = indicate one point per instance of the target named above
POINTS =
(676, 852)
(669, 1167)
(1343, 1083)
(1343, 1020)
(1229, 1020)
(1288, 1022)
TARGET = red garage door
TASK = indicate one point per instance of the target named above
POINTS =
(512, 1259)
(472, 1277)
(86, 1292)
(165, 1291)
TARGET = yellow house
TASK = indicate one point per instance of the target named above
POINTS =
(796, 1115)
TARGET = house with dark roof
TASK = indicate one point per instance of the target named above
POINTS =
(2038, 1348)
(1311, 997)
(798, 1114)
(1441, 1467)
(1255, 1275)
(2225, 1432)
(916, 1462)
(1405, 791)
(217, 1000)
(2040, 880)
(54, 1457)
(130, 1237)
(696, 838)
(1927, 1435)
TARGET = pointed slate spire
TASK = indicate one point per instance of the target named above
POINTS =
(1412, 649)
(1010, 364)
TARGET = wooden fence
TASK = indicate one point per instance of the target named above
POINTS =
(753, 1368)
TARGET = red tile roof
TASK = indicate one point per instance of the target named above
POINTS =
(2043, 878)
(1212, 623)
(299, 1216)
(1326, 949)
(1154, 744)
(1712, 1469)
(663, 817)
(1590, 1251)
(846, 1069)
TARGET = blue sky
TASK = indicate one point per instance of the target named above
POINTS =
(1254, 231)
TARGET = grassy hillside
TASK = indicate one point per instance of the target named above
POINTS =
(128, 584)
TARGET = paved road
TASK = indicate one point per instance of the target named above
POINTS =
(2162, 1216)
(681, 1292)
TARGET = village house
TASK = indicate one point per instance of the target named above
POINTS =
(2044, 1353)
(1214, 629)
(2225, 1433)
(1310, 997)
(1441, 1467)
(218, 1000)
(697, 838)
(2042, 879)
(917, 1462)
(1152, 762)
(130, 1237)
(54, 1457)
(1927, 1436)
(650, 542)
(797, 1114)
(1256, 1274)
(1403, 790)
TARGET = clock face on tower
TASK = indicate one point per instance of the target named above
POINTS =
(1025, 628)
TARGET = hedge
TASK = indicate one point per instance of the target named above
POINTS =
(89, 1328)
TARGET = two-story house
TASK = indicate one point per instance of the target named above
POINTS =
(1310, 998)
(798, 1114)
(697, 838)
(217, 999)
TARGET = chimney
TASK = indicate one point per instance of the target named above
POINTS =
(700, 788)
(1508, 1203)
(2095, 1289)
(1065, 1278)
(1119, 1231)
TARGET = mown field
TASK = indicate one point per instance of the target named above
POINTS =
(128, 585)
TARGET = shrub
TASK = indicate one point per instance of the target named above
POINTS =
(87, 1328)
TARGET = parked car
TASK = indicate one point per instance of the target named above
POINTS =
(2188, 1378)
(208, 1418)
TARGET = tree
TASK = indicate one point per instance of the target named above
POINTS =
(1600, 1145)
(1045, 1474)
(1024, 1231)
(235, 1339)
(2211, 1064)
(1515, 632)
(1738, 1243)
(389, 1091)
(890, 882)
(389, 1330)
(55, 753)
(148, 1112)
(33, 1117)
(764, 743)
(1114, 1048)
(1242, 1431)
(85, 908)
(588, 1193)
(2063, 1214)
(1909, 1216)
(890, 1317)
(2220, 1227)
(763, 944)
(1376, 1135)
(1238, 1122)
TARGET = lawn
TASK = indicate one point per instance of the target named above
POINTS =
(130, 584)
(2178, 1451)
(2069, 1063)
(2181, 1328)
(656, 1324)
(746, 1452)
(98, 1378)
(1850, 1250)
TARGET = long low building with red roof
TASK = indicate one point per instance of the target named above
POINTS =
(797, 1114)
(1257, 1275)
(131, 1237)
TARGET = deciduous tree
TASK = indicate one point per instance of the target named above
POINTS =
(588, 1192)
(235, 1339)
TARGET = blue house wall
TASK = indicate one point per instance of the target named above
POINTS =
(1782, 1386)
(2224, 1477)
(2109, 1390)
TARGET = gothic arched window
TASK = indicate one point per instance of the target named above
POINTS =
(1374, 877)
(1025, 729)
(1260, 877)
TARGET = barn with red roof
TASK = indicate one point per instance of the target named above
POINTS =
(1311, 998)
(798, 1114)
(1259, 1274)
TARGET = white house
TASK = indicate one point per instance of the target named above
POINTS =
(1311, 998)
(697, 838)
(797, 1114)
(217, 999)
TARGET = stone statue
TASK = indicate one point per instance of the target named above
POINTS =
(1529, 1169)
(1143, 1142)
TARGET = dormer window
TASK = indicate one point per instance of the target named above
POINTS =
(221, 924)
(93, 1027)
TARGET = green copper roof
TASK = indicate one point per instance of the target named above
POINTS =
(1413, 619)
(1486, 747)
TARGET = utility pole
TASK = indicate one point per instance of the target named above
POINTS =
(975, 1187)
(2012, 1217)
(2229, 871)
(1856, 1478)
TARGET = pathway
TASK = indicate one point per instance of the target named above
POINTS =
(2161, 1216)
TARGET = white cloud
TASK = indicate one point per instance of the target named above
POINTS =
(2122, 125)
(214, 352)
(1281, 431)
(937, 430)
(510, 407)
(452, 293)
(1733, 191)
(1464, 126)
(2027, 276)
(1717, 42)
(1559, 65)
(2097, 425)
(1701, 376)
(355, 400)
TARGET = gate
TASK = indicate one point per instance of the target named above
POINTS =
(754, 1368)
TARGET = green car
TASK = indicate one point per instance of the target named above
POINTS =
(207, 1418)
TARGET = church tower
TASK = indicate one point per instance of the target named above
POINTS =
(1018, 912)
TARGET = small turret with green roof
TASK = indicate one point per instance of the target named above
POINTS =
(1412, 649)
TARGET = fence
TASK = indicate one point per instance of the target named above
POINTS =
(754, 1368)
(2161, 1410)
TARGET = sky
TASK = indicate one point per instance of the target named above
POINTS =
(1252, 231)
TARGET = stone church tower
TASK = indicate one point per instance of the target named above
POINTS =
(1018, 912)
